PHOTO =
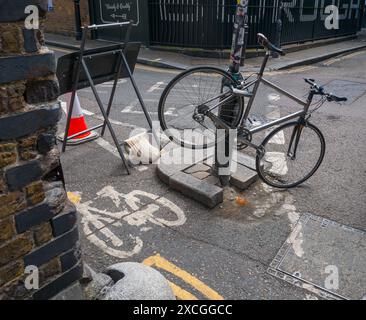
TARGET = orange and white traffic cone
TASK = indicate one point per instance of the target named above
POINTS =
(77, 124)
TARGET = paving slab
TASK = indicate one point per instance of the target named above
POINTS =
(201, 191)
(195, 179)
(243, 177)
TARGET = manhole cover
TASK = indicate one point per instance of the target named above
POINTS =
(325, 257)
(350, 89)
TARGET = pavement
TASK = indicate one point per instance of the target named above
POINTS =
(225, 252)
(297, 55)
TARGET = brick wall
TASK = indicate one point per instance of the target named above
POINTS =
(37, 222)
(62, 19)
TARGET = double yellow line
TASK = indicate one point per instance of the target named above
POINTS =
(160, 263)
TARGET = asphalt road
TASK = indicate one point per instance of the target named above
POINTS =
(225, 252)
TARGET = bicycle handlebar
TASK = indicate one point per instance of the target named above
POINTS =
(321, 91)
(334, 98)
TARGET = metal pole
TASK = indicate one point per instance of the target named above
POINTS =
(237, 56)
(78, 31)
(76, 77)
(223, 157)
(238, 46)
(279, 25)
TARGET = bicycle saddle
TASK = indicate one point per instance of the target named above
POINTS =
(262, 40)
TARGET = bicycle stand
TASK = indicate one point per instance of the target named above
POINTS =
(88, 68)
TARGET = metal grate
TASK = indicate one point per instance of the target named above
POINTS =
(319, 249)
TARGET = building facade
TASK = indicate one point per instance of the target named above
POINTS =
(208, 23)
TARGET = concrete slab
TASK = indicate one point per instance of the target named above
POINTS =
(201, 191)
(324, 257)
(198, 168)
(190, 172)
(243, 177)
(201, 175)
(245, 160)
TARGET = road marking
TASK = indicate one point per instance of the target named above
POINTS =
(89, 90)
(107, 146)
(156, 86)
(91, 114)
(138, 209)
(279, 138)
(157, 70)
(118, 123)
(274, 97)
(134, 104)
(103, 143)
(110, 84)
(278, 161)
(180, 293)
(274, 114)
(113, 150)
(163, 264)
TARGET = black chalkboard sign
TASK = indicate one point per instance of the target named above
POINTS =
(102, 67)
(119, 11)
(114, 11)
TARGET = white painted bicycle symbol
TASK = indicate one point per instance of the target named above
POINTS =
(138, 208)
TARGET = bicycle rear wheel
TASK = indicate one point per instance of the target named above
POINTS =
(178, 106)
(291, 155)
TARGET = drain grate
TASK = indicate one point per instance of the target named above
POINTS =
(324, 257)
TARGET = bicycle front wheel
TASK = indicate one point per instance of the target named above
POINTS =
(179, 106)
(291, 155)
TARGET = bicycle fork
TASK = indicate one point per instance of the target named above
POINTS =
(294, 142)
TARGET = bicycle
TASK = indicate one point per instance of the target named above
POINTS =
(209, 98)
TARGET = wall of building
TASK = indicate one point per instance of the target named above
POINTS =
(38, 225)
(61, 20)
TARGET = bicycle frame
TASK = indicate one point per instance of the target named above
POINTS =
(244, 92)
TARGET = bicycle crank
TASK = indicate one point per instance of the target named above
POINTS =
(245, 138)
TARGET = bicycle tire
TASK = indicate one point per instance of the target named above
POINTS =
(215, 72)
(276, 178)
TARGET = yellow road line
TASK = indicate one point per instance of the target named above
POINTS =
(161, 263)
(180, 293)
(164, 264)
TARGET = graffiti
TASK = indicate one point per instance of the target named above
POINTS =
(317, 9)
